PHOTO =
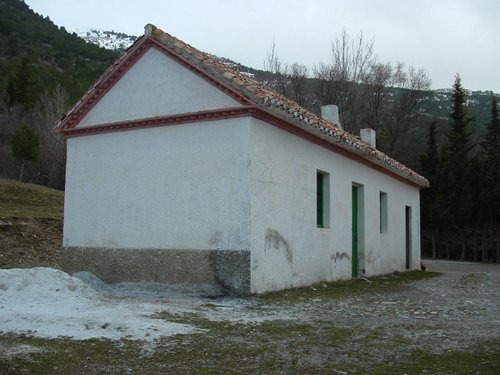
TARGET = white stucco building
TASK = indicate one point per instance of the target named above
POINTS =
(182, 170)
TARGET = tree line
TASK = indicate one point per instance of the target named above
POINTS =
(30, 149)
(461, 209)
(43, 70)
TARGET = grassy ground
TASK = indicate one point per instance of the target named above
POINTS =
(347, 288)
(317, 345)
(31, 225)
(203, 355)
(20, 200)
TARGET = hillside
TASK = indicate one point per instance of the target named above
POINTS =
(30, 225)
(55, 55)
(478, 106)
(76, 59)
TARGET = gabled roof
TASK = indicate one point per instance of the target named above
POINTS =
(256, 99)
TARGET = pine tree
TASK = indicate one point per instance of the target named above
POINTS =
(430, 160)
(22, 89)
(429, 163)
(457, 194)
(25, 147)
(491, 168)
(459, 136)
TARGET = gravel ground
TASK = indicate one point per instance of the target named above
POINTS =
(456, 312)
(453, 312)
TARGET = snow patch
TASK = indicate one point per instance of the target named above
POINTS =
(49, 303)
(106, 39)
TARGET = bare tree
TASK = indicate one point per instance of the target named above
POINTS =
(339, 81)
(369, 93)
(48, 111)
(414, 86)
(278, 70)
(352, 59)
(298, 86)
(378, 85)
(289, 80)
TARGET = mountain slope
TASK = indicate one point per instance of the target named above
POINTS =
(55, 56)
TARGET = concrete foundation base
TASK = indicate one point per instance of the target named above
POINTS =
(223, 271)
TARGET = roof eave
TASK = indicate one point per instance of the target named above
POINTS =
(340, 139)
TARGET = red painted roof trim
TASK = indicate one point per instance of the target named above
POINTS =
(119, 68)
(228, 113)
(151, 122)
(268, 118)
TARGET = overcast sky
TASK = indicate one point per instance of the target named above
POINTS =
(444, 37)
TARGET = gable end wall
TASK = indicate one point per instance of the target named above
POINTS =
(156, 86)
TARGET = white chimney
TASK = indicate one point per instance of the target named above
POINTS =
(330, 113)
(369, 137)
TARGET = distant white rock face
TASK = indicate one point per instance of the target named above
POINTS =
(107, 39)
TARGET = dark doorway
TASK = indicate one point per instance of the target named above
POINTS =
(408, 236)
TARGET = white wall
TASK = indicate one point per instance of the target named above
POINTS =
(171, 187)
(287, 249)
(233, 185)
(156, 86)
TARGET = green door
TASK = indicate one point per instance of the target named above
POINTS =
(354, 259)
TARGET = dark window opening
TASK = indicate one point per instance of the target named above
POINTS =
(322, 199)
(383, 212)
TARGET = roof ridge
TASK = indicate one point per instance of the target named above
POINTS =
(266, 94)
